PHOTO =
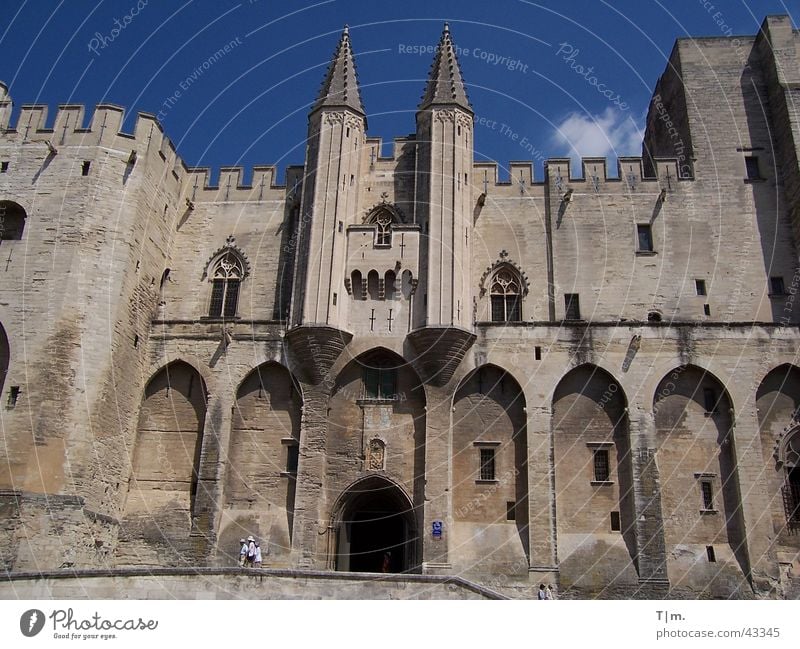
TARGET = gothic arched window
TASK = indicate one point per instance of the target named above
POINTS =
(506, 296)
(225, 280)
(383, 230)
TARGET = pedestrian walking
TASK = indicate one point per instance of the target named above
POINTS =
(242, 553)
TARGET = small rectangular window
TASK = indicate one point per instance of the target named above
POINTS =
(707, 309)
(572, 306)
(380, 383)
(601, 470)
(85, 167)
(708, 495)
(537, 353)
(712, 557)
(511, 513)
(13, 396)
(341, 226)
(292, 458)
(335, 297)
(751, 166)
(487, 464)
(700, 286)
(645, 238)
(776, 286)
(615, 522)
(4, 166)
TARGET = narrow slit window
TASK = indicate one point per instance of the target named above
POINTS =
(85, 167)
(710, 400)
(292, 458)
(615, 522)
(751, 167)
(511, 510)
(712, 557)
(708, 495)
(776, 286)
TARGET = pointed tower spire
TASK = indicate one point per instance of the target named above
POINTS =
(445, 83)
(340, 88)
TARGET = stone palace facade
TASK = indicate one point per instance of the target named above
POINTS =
(587, 381)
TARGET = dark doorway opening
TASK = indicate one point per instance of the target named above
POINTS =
(377, 530)
(373, 536)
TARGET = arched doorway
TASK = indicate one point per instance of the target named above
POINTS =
(375, 518)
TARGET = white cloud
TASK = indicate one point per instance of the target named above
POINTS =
(609, 135)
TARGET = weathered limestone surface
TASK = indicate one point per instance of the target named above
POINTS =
(325, 364)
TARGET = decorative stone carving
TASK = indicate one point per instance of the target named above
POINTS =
(376, 456)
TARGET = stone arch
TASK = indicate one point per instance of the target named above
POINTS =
(371, 516)
(594, 480)
(700, 494)
(778, 408)
(5, 358)
(377, 394)
(357, 284)
(164, 477)
(261, 472)
(13, 218)
(373, 285)
(391, 209)
(490, 476)
(390, 284)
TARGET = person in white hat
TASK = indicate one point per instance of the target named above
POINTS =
(251, 551)
(257, 562)
(242, 553)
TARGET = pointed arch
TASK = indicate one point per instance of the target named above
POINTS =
(390, 284)
(593, 467)
(376, 527)
(373, 285)
(490, 474)
(700, 493)
(507, 286)
(378, 395)
(163, 487)
(263, 454)
(5, 358)
(778, 408)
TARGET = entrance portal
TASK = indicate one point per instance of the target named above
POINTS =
(377, 530)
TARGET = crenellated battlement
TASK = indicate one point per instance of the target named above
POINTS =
(231, 185)
(630, 173)
(67, 127)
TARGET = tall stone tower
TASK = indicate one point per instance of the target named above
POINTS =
(336, 128)
(445, 206)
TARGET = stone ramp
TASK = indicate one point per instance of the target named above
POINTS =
(236, 583)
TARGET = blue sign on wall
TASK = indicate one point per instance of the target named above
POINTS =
(437, 529)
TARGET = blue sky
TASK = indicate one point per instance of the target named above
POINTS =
(525, 64)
